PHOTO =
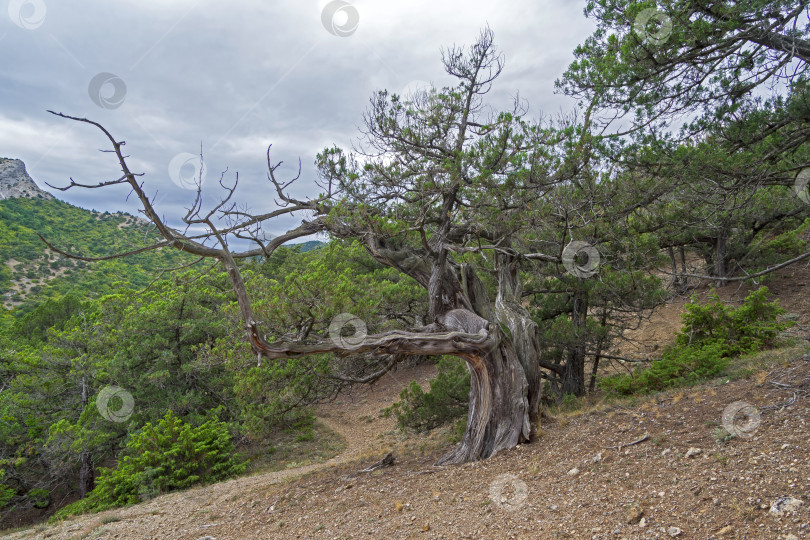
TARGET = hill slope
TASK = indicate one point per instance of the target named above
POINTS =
(581, 479)
(30, 271)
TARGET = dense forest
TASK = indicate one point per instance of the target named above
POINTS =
(522, 248)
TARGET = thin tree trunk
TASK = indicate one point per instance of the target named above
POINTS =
(598, 355)
(720, 254)
(594, 371)
(676, 277)
(685, 280)
(574, 377)
(86, 475)
(86, 469)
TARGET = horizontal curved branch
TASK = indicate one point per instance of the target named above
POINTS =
(743, 278)
(73, 183)
(622, 358)
(392, 342)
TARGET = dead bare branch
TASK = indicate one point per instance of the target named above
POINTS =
(69, 255)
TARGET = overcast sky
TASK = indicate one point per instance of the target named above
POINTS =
(170, 76)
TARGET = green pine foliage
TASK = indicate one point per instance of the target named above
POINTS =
(444, 402)
(167, 456)
(177, 346)
(711, 335)
(6, 492)
(270, 397)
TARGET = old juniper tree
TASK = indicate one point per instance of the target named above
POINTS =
(447, 191)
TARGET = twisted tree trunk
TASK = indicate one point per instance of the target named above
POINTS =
(498, 416)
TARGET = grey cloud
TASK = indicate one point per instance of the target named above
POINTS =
(234, 77)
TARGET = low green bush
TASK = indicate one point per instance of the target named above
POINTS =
(751, 327)
(160, 458)
(445, 402)
(711, 335)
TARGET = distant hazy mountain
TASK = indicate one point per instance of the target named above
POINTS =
(309, 246)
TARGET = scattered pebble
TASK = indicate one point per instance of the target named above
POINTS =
(785, 505)
(634, 514)
(693, 452)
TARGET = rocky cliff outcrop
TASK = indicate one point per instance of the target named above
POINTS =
(15, 182)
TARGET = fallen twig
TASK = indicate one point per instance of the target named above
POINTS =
(788, 403)
(426, 471)
(637, 441)
(387, 461)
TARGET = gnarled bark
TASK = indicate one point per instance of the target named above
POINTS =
(498, 417)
